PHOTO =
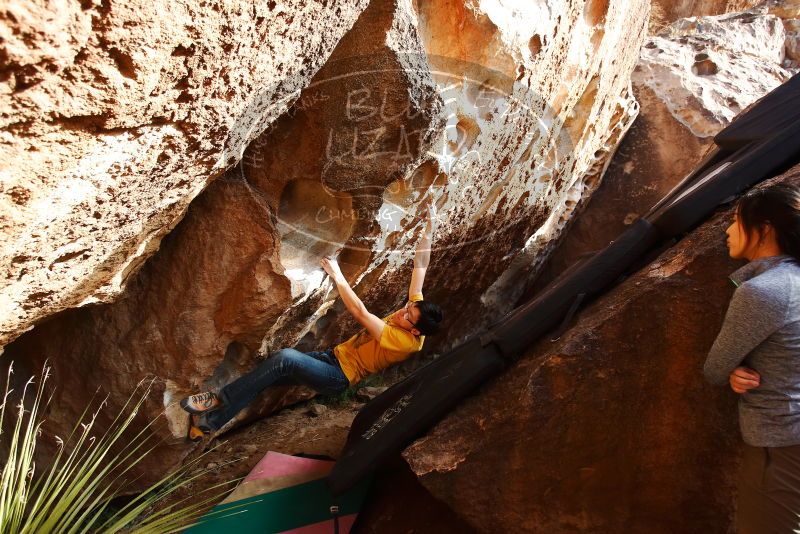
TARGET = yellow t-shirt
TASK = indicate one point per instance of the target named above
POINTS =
(361, 355)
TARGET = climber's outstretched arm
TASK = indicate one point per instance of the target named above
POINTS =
(372, 323)
(422, 256)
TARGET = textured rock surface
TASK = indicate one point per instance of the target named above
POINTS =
(662, 146)
(708, 69)
(208, 283)
(789, 12)
(516, 127)
(115, 115)
(655, 155)
(612, 428)
(506, 137)
(665, 12)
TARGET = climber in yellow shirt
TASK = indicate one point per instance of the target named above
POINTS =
(381, 343)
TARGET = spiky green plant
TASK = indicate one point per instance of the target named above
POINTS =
(74, 493)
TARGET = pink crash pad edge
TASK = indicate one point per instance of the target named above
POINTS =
(275, 464)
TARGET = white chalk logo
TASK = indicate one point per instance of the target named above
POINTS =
(387, 416)
(361, 150)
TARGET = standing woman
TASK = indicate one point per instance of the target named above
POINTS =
(757, 352)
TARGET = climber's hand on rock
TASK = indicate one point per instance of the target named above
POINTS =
(331, 267)
(430, 218)
(743, 379)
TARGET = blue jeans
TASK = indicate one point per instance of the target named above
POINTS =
(319, 370)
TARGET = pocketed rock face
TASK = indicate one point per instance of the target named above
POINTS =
(663, 145)
(655, 155)
(530, 105)
(707, 70)
(115, 115)
(612, 428)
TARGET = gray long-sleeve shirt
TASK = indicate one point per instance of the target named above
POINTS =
(762, 331)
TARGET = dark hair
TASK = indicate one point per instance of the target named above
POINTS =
(430, 316)
(778, 206)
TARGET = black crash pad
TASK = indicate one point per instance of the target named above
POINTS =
(774, 112)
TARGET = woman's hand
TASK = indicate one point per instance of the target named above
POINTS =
(331, 267)
(743, 379)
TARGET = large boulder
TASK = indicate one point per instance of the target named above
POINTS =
(611, 428)
(505, 119)
(115, 115)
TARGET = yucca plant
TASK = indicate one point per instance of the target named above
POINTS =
(74, 493)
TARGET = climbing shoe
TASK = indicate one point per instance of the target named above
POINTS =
(198, 427)
(201, 403)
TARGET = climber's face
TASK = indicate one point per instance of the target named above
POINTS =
(407, 317)
(740, 242)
